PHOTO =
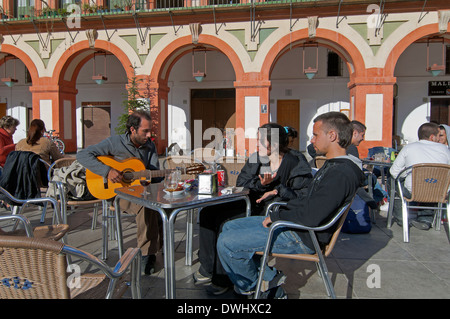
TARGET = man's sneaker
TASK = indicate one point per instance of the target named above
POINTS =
(216, 290)
(200, 278)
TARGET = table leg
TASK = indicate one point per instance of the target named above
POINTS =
(118, 226)
(105, 227)
(189, 234)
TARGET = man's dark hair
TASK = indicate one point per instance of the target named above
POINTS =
(427, 129)
(340, 123)
(358, 126)
(134, 119)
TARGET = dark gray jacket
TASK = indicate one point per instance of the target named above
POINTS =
(121, 148)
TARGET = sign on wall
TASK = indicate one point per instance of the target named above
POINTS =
(438, 88)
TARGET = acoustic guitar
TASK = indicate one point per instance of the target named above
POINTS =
(133, 169)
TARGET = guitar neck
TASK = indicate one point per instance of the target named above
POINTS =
(155, 173)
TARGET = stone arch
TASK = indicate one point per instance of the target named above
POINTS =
(339, 43)
(25, 58)
(65, 62)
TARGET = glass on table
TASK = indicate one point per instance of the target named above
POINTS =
(171, 180)
(145, 181)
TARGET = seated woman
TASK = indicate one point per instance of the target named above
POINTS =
(8, 126)
(36, 142)
(273, 173)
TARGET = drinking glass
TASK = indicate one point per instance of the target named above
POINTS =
(145, 181)
(171, 180)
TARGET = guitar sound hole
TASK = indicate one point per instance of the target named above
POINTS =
(127, 177)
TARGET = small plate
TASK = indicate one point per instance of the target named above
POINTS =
(175, 193)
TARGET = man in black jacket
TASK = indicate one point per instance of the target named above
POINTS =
(333, 185)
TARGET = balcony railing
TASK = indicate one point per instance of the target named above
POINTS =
(131, 6)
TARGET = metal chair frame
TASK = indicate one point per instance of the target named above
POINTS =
(429, 194)
(318, 257)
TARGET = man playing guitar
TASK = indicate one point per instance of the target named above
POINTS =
(135, 143)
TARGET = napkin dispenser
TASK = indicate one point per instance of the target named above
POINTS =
(207, 183)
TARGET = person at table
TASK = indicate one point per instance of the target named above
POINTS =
(359, 132)
(444, 134)
(426, 150)
(8, 126)
(37, 143)
(136, 142)
(272, 173)
(333, 185)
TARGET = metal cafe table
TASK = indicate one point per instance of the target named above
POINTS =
(168, 207)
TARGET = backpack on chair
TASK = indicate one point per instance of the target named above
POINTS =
(358, 218)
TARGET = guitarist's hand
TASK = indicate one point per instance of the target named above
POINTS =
(114, 175)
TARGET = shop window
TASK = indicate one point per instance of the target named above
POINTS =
(334, 67)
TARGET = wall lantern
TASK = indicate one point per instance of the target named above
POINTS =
(311, 72)
(8, 80)
(198, 75)
(100, 78)
(435, 69)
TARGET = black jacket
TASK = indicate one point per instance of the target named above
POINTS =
(333, 185)
(289, 187)
(23, 175)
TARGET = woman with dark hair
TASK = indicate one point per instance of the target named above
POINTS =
(272, 173)
(37, 143)
(8, 126)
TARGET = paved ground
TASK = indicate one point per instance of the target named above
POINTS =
(374, 265)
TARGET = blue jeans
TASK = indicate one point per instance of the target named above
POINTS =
(241, 238)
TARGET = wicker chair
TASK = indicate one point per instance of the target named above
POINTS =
(430, 184)
(318, 257)
(34, 268)
(232, 165)
(59, 190)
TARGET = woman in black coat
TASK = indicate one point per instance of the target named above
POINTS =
(273, 173)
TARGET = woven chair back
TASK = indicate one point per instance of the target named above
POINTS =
(32, 268)
(430, 183)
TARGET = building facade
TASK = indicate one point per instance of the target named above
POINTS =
(371, 60)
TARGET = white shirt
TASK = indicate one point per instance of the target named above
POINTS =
(423, 151)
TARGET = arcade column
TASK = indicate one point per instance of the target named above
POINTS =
(158, 94)
(372, 103)
(252, 110)
(56, 106)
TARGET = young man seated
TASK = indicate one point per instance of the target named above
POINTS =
(333, 185)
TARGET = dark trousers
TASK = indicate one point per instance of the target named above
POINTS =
(212, 219)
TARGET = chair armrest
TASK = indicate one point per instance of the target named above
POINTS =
(113, 273)
(26, 223)
(274, 205)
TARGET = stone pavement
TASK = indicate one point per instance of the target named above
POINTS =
(374, 265)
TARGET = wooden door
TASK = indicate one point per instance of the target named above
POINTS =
(288, 114)
(215, 108)
(96, 124)
(2, 109)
